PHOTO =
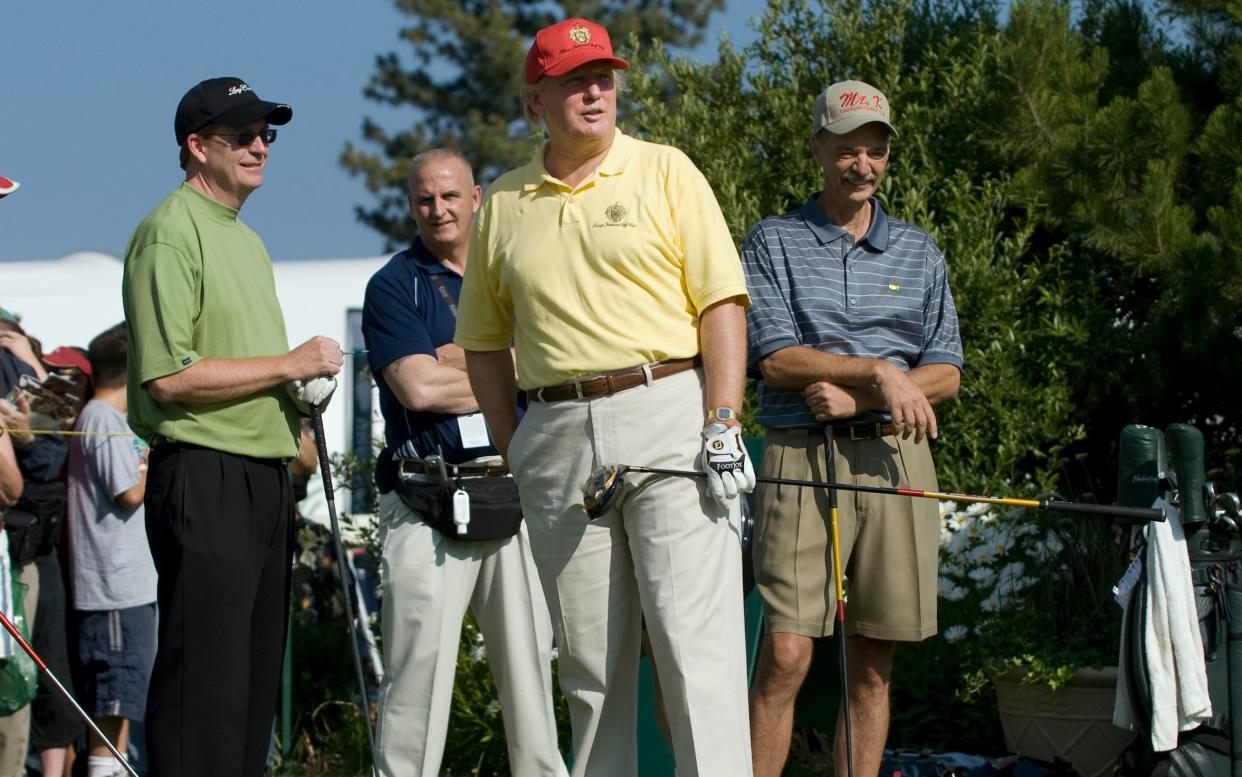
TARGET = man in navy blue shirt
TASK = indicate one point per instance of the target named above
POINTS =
(429, 579)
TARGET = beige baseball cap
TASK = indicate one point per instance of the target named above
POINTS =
(847, 105)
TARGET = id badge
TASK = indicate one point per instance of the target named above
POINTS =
(473, 431)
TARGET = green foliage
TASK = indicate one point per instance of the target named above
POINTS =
(462, 84)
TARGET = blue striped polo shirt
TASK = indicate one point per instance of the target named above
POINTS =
(885, 296)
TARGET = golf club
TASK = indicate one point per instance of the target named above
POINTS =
(9, 627)
(838, 575)
(603, 487)
(325, 472)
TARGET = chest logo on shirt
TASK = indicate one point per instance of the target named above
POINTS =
(894, 287)
(616, 215)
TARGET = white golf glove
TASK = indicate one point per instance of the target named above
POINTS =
(310, 393)
(725, 461)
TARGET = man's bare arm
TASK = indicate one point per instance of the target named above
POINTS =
(798, 366)
(451, 355)
(219, 380)
(491, 378)
(829, 381)
(424, 383)
(722, 339)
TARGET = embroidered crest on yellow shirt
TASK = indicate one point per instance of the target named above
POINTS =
(616, 215)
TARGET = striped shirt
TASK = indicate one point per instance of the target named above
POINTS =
(884, 297)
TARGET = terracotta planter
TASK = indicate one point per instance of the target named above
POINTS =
(1074, 722)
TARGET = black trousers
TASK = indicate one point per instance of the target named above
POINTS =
(53, 721)
(220, 528)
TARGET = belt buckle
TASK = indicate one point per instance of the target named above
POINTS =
(855, 435)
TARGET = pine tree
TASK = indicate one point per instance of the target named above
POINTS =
(462, 82)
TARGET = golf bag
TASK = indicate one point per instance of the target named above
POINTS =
(1215, 549)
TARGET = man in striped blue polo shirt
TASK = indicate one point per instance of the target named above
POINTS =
(851, 325)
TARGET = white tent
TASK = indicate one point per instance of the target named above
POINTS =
(70, 300)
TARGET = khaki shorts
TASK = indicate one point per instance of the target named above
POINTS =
(889, 544)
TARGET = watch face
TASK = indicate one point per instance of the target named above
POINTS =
(724, 413)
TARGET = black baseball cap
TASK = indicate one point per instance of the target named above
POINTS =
(229, 101)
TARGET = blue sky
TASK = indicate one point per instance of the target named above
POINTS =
(89, 90)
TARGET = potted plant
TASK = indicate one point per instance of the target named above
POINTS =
(1027, 602)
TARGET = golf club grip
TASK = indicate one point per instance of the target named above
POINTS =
(321, 440)
(1135, 513)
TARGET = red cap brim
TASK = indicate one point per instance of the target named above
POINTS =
(7, 186)
(573, 62)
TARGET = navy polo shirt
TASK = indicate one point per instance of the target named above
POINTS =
(404, 314)
(885, 296)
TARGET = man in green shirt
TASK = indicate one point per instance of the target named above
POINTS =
(209, 365)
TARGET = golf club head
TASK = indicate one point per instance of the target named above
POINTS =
(1228, 504)
(601, 490)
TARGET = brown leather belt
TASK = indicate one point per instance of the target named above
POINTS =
(864, 431)
(612, 382)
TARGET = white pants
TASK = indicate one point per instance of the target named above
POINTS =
(667, 552)
(428, 584)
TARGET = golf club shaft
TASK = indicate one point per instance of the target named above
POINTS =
(1135, 513)
(325, 473)
(9, 627)
(838, 574)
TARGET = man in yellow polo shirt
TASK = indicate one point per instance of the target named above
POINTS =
(609, 264)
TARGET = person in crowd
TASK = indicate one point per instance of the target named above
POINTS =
(209, 366)
(608, 262)
(54, 724)
(852, 326)
(113, 576)
(431, 577)
(33, 526)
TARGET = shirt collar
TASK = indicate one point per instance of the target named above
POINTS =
(827, 231)
(212, 208)
(534, 174)
(421, 255)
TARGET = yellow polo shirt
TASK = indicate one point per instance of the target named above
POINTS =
(607, 275)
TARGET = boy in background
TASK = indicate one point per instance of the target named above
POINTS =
(113, 574)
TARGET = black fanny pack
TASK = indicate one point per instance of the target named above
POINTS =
(495, 512)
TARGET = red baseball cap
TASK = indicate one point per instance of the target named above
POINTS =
(65, 356)
(568, 45)
(7, 186)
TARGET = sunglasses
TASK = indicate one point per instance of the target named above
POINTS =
(246, 137)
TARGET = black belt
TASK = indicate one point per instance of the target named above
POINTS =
(452, 471)
(165, 445)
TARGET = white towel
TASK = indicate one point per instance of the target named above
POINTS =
(1173, 647)
(7, 645)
